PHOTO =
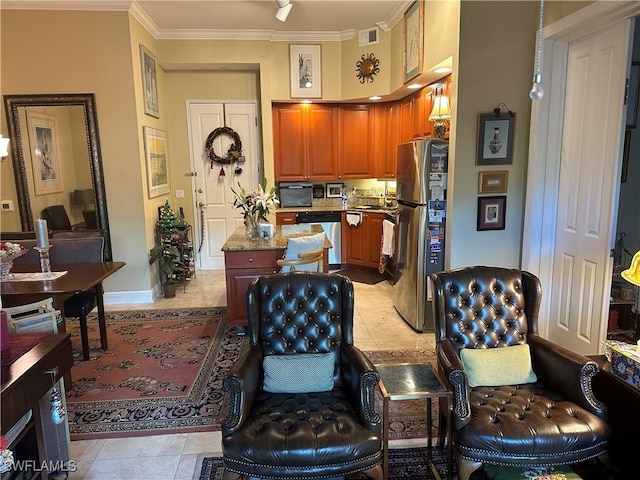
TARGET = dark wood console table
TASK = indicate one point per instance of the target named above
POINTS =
(25, 381)
(622, 401)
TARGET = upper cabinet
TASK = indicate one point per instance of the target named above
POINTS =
(355, 140)
(386, 137)
(305, 142)
(348, 141)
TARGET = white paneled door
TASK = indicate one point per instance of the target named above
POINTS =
(588, 189)
(214, 214)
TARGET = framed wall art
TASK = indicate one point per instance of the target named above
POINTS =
(413, 41)
(493, 182)
(45, 153)
(495, 139)
(334, 190)
(155, 150)
(149, 82)
(305, 63)
(634, 93)
(491, 212)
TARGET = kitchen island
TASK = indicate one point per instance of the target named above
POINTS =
(246, 258)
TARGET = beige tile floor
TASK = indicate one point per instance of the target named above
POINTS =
(377, 326)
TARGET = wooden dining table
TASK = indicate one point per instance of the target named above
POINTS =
(79, 277)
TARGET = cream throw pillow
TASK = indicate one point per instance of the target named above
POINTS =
(493, 367)
(296, 245)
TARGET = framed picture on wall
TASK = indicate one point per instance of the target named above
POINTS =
(45, 153)
(491, 212)
(495, 139)
(155, 150)
(493, 182)
(413, 40)
(305, 63)
(149, 82)
(334, 190)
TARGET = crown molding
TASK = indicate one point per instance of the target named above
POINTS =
(196, 34)
(266, 35)
(76, 5)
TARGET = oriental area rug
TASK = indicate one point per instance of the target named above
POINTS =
(163, 373)
(164, 370)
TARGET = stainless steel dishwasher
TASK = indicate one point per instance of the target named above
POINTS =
(330, 221)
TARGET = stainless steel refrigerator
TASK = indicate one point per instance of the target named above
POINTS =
(422, 205)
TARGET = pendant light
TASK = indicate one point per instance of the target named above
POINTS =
(537, 91)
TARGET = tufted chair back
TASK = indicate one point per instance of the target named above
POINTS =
(301, 312)
(486, 307)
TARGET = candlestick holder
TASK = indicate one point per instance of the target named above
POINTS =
(45, 264)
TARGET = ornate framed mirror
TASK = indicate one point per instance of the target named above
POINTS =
(30, 115)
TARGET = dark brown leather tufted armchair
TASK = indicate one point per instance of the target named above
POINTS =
(302, 435)
(556, 420)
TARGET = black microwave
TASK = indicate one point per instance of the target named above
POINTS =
(295, 194)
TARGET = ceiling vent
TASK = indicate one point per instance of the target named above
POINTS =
(368, 37)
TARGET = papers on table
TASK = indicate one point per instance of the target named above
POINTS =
(36, 276)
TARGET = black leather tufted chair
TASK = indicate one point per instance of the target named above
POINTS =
(301, 435)
(556, 420)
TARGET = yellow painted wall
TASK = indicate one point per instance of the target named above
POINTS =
(495, 65)
(86, 52)
(198, 85)
(98, 52)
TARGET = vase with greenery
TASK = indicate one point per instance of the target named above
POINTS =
(255, 206)
(169, 266)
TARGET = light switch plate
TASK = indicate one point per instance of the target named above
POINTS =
(6, 205)
(179, 193)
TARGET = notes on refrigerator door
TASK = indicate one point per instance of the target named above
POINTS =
(435, 233)
(437, 185)
(437, 210)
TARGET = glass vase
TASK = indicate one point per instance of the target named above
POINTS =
(253, 227)
(5, 268)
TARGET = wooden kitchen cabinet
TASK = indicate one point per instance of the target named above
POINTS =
(241, 267)
(286, 218)
(355, 141)
(386, 137)
(361, 244)
(305, 142)
(409, 118)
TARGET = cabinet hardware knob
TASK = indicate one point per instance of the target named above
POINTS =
(250, 260)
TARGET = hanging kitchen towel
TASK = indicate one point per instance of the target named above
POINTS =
(354, 218)
(384, 259)
(387, 237)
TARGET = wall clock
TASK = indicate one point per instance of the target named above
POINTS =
(367, 67)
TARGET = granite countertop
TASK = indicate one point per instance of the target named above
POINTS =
(239, 241)
(364, 208)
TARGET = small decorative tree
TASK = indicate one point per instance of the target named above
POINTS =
(165, 254)
(168, 218)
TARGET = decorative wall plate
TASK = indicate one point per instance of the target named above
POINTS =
(367, 67)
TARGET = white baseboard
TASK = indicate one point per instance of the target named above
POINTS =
(142, 296)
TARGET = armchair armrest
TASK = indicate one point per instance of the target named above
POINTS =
(242, 383)
(567, 372)
(455, 379)
(359, 377)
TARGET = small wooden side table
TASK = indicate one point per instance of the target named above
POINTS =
(408, 381)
